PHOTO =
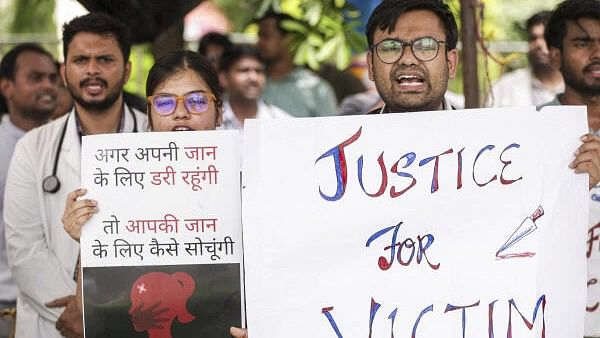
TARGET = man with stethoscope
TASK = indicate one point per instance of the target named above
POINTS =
(46, 166)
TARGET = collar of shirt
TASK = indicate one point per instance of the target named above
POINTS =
(538, 85)
(12, 130)
(80, 131)
(230, 121)
(445, 106)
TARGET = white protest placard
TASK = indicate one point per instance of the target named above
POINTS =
(592, 322)
(435, 224)
(164, 252)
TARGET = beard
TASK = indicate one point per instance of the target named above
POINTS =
(578, 83)
(36, 114)
(428, 100)
(34, 110)
(92, 105)
(248, 92)
(539, 64)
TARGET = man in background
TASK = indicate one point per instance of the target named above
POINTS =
(64, 100)
(45, 168)
(573, 37)
(296, 90)
(536, 84)
(242, 75)
(29, 83)
(212, 46)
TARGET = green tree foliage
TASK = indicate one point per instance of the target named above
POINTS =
(240, 13)
(5, 17)
(501, 20)
(323, 30)
(33, 16)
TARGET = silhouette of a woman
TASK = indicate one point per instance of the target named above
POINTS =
(157, 298)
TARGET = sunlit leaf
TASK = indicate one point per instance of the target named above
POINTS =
(293, 26)
(314, 39)
(357, 41)
(313, 13)
(301, 54)
(264, 7)
(342, 57)
(328, 49)
(311, 58)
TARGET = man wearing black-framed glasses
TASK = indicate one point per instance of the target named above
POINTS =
(412, 54)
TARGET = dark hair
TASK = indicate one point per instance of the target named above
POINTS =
(536, 19)
(568, 10)
(180, 60)
(386, 14)
(213, 38)
(8, 65)
(279, 17)
(98, 23)
(237, 52)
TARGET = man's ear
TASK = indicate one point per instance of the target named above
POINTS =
(62, 72)
(127, 72)
(219, 121)
(452, 59)
(370, 65)
(223, 80)
(555, 55)
(6, 87)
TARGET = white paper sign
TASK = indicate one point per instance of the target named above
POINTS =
(166, 244)
(592, 323)
(438, 224)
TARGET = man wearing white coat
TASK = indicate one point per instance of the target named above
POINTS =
(46, 166)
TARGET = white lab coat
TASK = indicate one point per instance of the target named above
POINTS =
(41, 255)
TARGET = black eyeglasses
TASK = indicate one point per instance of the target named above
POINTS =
(391, 50)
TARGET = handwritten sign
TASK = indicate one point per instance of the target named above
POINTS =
(592, 323)
(166, 243)
(438, 224)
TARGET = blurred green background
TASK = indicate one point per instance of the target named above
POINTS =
(325, 31)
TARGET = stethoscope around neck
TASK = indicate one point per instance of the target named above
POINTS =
(51, 184)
